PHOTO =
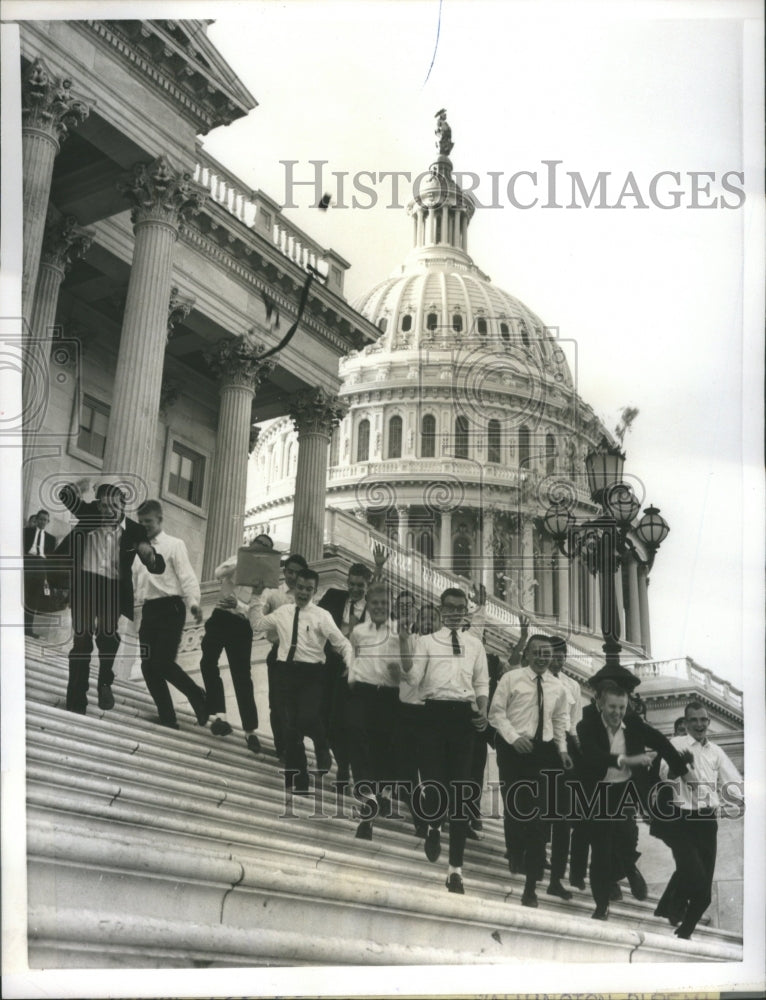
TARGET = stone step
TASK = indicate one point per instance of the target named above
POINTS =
(194, 837)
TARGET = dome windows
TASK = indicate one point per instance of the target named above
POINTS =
(363, 441)
(457, 323)
(481, 326)
(432, 321)
(494, 442)
(524, 332)
(382, 324)
(524, 447)
(428, 436)
(406, 323)
(505, 333)
(461, 437)
(395, 437)
(550, 455)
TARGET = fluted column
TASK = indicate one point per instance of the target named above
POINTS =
(563, 569)
(445, 540)
(49, 110)
(633, 611)
(487, 551)
(528, 587)
(314, 413)
(643, 609)
(162, 198)
(236, 362)
(403, 527)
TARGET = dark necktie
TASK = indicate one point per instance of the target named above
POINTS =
(293, 639)
(37, 542)
(539, 730)
(456, 650)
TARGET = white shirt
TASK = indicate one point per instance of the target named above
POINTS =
(178, 579)
(714, 770)
(445, 676)
(225, 573)
(574, 707)
(315, 628)
(617, 747)
(273, 598)
(377, 658)
(101, 552)
(39, 539)
(513, 712)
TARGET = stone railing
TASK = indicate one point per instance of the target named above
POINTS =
(263, 215)
(685, 669)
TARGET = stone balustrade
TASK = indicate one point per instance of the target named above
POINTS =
(685, 669)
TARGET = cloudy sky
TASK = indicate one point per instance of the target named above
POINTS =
(652, 297)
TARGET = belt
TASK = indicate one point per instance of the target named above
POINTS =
(377, 687)
(298, 663)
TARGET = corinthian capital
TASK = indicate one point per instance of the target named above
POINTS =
(179, 308)
(64, 242)
(159, 193)
(237, 362)
(315, 410)
(47, 102)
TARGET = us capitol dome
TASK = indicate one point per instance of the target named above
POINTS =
(463, 424)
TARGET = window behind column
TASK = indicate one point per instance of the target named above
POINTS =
(428, 436)
(186, 476)
(94, 422)
(363, 441)
(461, 437)
(395, 437)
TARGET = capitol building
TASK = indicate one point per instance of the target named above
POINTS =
(462, 425)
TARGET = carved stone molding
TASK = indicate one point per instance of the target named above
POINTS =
(64, 242)
(159, 193)
(236, 361)
(170, 390)
(47, 102)
(316, 411)
(179, 308)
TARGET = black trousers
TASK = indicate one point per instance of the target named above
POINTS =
(34, 589)
(408, 737)
(446, 754)
(276, 710)
(371, 719)
(693, 839)
(162, 622)
(525, 801)
(335, 711)
(95, 613)
(300, 687)
(613, 841)
(233, 633)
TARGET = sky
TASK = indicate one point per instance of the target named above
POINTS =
(652, 298)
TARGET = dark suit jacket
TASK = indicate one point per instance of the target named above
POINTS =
(595, 757)
(49, 542)
(68, 555)
(334, 601)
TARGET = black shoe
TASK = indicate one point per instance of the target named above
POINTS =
(198, 703)
(557, 889)
(364, 830)
(578, 883)
(167, 723)
(455, 883)
(105, 698)
(421, 830)
(684, 933)
(253, 743)
(220, 727)
(471, 834)
(615, 893)
(637, 884)
(529, 898)
(433, 844)
(77, 711)
(601, 912)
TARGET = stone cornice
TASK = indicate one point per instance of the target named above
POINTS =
(176, 70)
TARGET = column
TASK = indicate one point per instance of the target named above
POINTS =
(527, 572)
(63, 242)
(563, 566)
(239, 370)
(633, 610)
(403, 527)
(488, 551)
(445, 539)
(314, 413)
(643, 609)
(49, 111)
(162, 198)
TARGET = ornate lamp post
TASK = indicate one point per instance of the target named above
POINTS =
(603, 542)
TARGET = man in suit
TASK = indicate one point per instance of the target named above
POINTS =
(613, 775)
(691, 829)
(39, 545)
(348, 609)
(95, 562)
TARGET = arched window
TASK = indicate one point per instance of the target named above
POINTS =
(482, 327)
(428, 436)
(426, 545)
(550, 455)
(432, 321)
(494, 442)
(363, 441)
(504, 331)
(457, 323)
(461, 437)
(524, 332)
(382, 324)
(406, 322)
(395, 437)
(334, 447)
(523, 447)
